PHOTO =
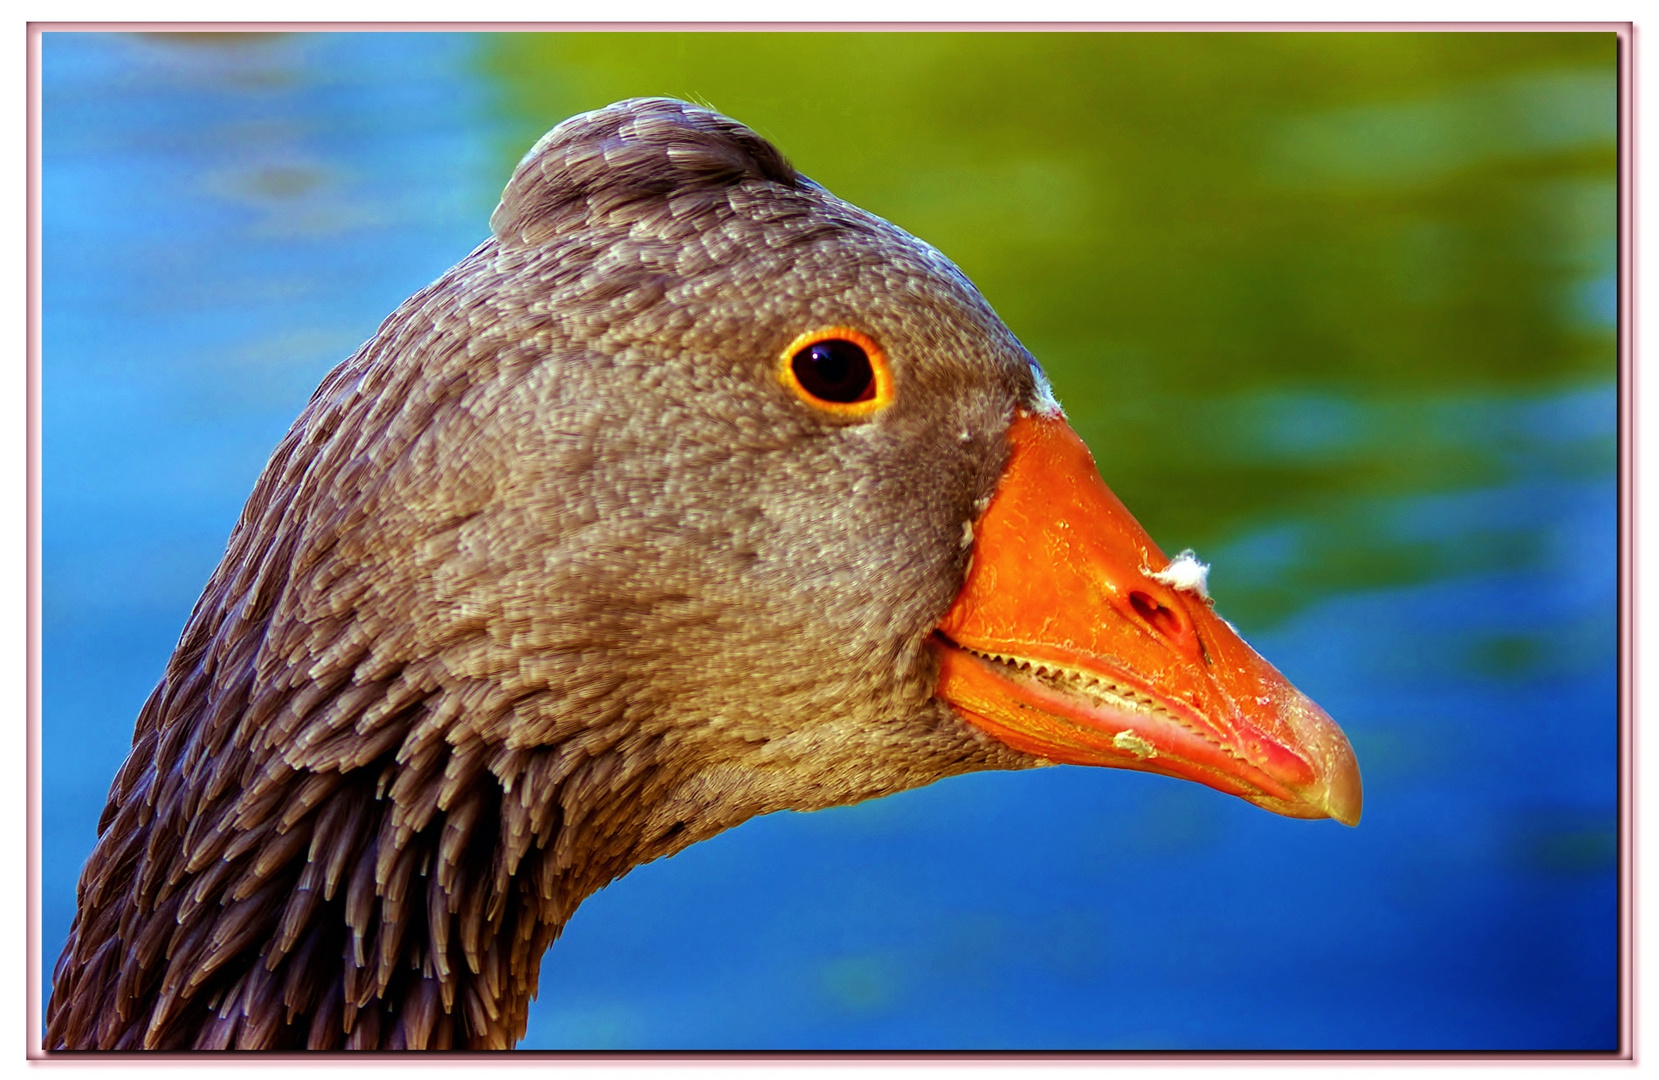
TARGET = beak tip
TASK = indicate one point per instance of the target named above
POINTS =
(1343, 794)
(1336, 790)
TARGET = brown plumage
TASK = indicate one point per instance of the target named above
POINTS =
(549, 579)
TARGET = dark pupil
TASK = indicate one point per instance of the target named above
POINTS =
(835, 370)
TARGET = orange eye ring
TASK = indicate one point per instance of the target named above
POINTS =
(846, 375)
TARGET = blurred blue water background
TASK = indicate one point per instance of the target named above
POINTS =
(1335, 309)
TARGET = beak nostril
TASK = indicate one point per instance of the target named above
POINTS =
(1160, 618)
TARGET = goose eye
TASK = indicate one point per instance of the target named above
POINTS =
(838, 370)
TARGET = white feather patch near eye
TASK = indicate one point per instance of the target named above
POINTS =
(1186, 573)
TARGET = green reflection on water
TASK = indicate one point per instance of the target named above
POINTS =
(1273, 277)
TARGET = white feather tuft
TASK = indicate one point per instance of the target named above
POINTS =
(1047, 404)
(1186, 573)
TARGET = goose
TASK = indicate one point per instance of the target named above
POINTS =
(693, 493)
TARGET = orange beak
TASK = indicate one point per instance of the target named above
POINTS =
(1075, 639)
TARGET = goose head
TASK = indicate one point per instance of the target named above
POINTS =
(693, 493)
